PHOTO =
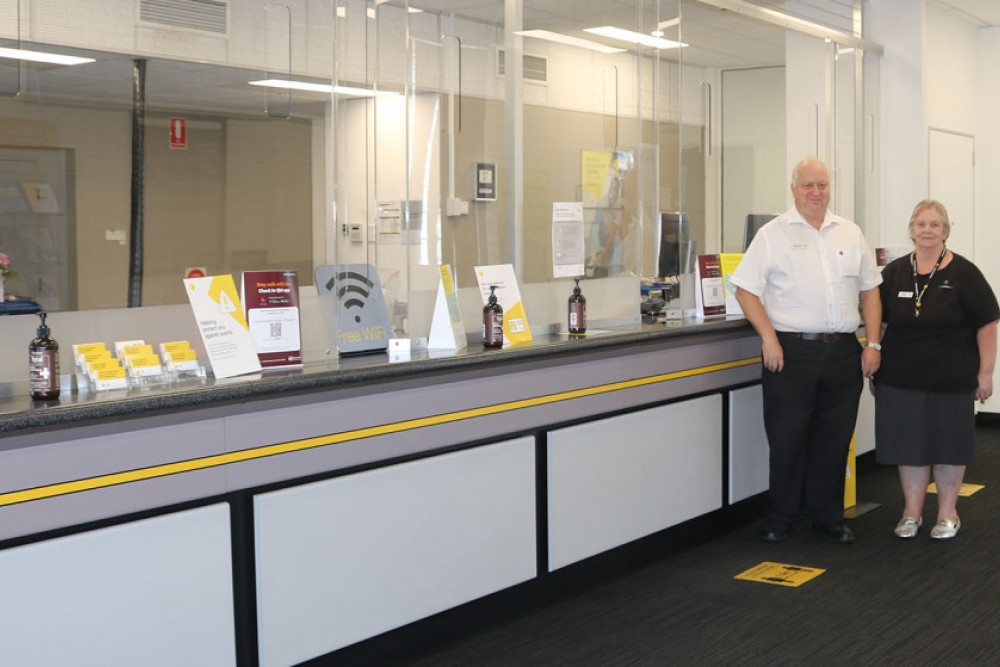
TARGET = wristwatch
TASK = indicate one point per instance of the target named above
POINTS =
(875, 346)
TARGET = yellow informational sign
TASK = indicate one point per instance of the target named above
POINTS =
(966, 490)
(851, 483)
(595, 166)
(224, 330)
(728, 261)
(780, 574)
(502, 277)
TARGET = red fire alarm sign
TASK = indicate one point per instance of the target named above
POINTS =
(178, 133)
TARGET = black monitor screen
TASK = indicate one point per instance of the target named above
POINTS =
(675, 244)
(754, 222)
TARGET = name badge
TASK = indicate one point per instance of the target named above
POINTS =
(800, 246)
(903, 294)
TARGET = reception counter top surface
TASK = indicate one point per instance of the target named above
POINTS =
(21, 414)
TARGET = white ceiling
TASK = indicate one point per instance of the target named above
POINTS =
(982, 13)
(717, 38)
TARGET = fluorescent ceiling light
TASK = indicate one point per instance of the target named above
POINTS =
(324, 88)
(663, 25)
(634, 37)
(42, 57)
(567, 39)
(370, 13)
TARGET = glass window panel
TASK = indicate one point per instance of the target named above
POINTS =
(225, 169)
(278, 177)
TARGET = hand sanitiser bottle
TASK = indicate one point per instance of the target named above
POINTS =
(577, 311)
(43, 364)
(492, 321)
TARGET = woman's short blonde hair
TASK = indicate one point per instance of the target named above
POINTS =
(938, 208)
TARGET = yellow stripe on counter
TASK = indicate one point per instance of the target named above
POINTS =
(114, 479)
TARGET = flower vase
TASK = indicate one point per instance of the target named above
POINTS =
(2, 297)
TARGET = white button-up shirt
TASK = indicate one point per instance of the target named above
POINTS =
(809, 279)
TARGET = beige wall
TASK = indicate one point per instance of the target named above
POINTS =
(238, 198)
(553, 142)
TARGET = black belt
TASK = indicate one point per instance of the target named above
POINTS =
(818, 337)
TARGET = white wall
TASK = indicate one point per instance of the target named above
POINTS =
(950, 72)
(807, 91)
(898, 25)
(988, 167)
(754, 178)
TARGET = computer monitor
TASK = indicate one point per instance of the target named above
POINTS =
(754, 222)
(676, 248)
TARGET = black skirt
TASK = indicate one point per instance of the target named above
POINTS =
(921, 428)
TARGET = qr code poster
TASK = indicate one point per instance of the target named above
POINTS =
(271, 300)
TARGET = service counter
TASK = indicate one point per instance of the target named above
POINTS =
(274, 519)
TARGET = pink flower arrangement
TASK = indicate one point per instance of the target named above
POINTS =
(5, 269)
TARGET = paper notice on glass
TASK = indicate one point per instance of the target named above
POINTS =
(224, 330)
(41, 198)
(567, 239)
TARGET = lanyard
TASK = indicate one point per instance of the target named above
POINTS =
(920, 294)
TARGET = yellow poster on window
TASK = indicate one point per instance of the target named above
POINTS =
(594, 167)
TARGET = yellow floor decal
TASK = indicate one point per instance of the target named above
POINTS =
(780, 574)
(966, 490)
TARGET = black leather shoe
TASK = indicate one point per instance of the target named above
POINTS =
(838, 533)
(774, 532)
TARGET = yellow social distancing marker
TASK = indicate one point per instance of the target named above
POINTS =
(780, 574)
(966, 490)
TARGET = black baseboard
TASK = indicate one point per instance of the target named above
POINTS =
(988, 419)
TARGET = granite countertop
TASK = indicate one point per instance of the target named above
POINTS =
(19, 414)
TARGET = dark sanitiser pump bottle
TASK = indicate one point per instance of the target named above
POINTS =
(492, 321)
(43, 364)
(577, 311)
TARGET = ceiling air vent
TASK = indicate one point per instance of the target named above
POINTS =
(203, 15)
(536, 68)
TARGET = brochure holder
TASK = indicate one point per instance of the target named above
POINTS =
(447, 329)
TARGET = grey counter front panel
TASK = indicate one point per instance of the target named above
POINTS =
(152, 592)
(349, 558)
(749, 454)
(615, 480)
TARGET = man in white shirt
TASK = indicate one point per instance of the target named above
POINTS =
(799, 285)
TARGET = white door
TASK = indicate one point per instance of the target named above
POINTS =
(951, 180)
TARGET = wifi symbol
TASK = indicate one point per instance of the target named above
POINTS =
(354, 286)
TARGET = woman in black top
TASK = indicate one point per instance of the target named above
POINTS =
(939, 343)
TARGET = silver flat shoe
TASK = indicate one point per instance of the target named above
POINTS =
(945, 529)
(908, 526)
